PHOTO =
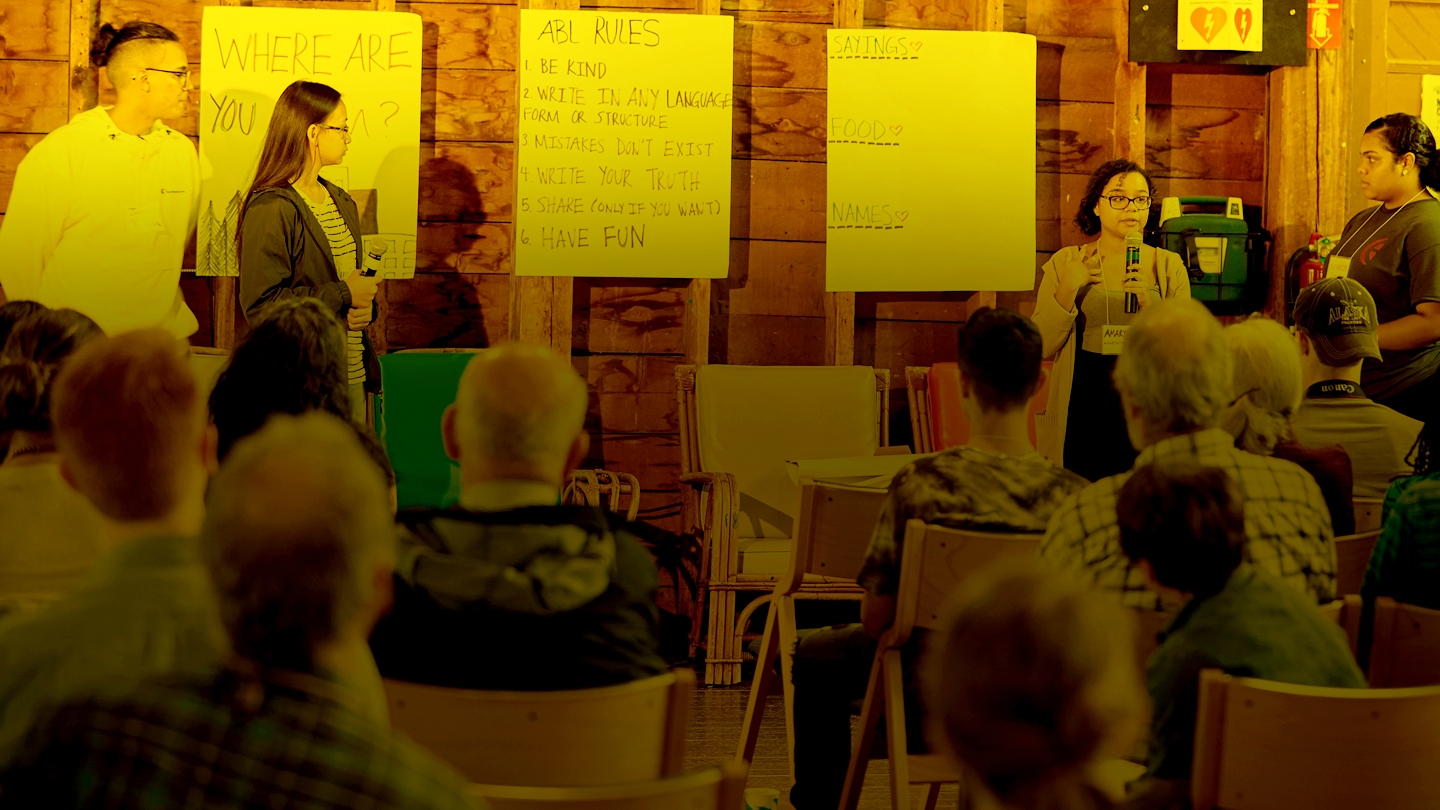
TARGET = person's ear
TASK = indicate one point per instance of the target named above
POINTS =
(67, 474)
(1149, 571)
(448, 435)
(964, 386)
(383, 582)
(579, 449)
(1304, 341)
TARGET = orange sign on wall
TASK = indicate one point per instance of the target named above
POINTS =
(1324, 28)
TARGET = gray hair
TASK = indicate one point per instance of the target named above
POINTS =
(521, 403)
(1174, 366)
(1266, 387)
(297, 520)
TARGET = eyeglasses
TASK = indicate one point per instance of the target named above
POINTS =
(1120, 202)
(342, 130)
(182, 75)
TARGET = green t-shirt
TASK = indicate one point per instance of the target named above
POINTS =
(1396, 256)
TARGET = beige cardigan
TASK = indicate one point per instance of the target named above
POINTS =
(1056, 327)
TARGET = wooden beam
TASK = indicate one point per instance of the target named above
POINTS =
(541, 307)
(84, 79)
(840, 306)
(1291, 170)
(697, 295)
(1334, 82)
(1129, 126)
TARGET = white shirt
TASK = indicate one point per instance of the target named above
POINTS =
(98, 222)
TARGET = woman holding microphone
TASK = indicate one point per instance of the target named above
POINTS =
(1082, 313)
(299, 234)
(1393, 250)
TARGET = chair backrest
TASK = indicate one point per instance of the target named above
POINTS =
(935, 560)
(721, 788)
(1262, 745)
(1367, 514)
(834, 530)
(1406, 646)
(949, 427)
(750, 420)
(632, 732)
(419, 385)
(205, 365)
(917, 393)
(1352, 555)
(1345, 613)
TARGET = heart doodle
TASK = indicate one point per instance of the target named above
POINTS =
(1208, 21)
(902, 215)
(1243, 19)
(897, 129)
(916, 45)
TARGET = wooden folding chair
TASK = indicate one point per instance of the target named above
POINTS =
(1367, 514)
(936, 421)
(917, 393)
(1406, 649)
(631, 732)
(721, 788)
(933, 562)
(1352, 556)
(604, 489)
(710, 507)
(833, 533)
(1262, 745)
(1346, 613)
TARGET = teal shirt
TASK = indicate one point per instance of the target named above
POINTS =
(1256, 627)
(1405, 564)
(148, 609)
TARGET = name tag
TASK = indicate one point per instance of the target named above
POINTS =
(1337, 267)
(1112, 338)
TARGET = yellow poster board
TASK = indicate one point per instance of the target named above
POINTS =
(931, 167)
(623, 165)
(1430, 101)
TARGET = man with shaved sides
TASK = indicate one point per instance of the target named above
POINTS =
(103, 206)
(513, 590)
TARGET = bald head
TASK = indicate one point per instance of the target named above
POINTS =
(1174, 369)
(298, 521)
(519, 407)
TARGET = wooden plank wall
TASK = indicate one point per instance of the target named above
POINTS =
(1203, 133)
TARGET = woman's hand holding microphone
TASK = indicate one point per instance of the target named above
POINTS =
(363, 285)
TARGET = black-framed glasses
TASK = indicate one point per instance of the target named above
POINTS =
(342, 130)
(182, 75)
(1120, 202)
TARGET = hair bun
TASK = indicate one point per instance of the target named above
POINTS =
(24, 395)
(100, 45)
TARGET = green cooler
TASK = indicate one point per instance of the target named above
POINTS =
(419, 385)
(1225, 257)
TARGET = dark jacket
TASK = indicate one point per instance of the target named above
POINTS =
(536, 598)
(284, 254)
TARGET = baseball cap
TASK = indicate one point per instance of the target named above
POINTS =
(1339, 316)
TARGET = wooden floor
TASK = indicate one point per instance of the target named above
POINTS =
(715, 733)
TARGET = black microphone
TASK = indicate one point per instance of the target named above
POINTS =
(1132, 265)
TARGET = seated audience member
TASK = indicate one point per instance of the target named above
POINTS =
(299, 546)
(51, 534)
(1174, 379)
(998, 482)
(1405, 563)
(1265, 391)
(132, 440)
(1336, 319)
(292, 361)
(13, 312)
(513, 590)
(1031, 683)
(1184, 527)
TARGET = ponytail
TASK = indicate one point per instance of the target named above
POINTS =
(109, 39)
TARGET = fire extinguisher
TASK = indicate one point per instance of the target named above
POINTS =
(1304, 267)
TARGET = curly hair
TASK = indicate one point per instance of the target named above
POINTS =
(1404, 133)
(1086, 218)
(292, 361)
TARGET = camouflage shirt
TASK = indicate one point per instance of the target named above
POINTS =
(964, 488)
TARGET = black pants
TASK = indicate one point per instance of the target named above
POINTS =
(1097, 443)
(832, 668)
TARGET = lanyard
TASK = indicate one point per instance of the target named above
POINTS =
(1381, 226)
(1334, 389)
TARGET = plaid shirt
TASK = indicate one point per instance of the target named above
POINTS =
(1287, 525)
(226, 743)
(1405, 564)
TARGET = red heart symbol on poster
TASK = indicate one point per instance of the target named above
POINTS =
(897, 129)
(1243, 19)
(1208, 21)
(902, 215)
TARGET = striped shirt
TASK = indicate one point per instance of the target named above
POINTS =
(342, 250)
